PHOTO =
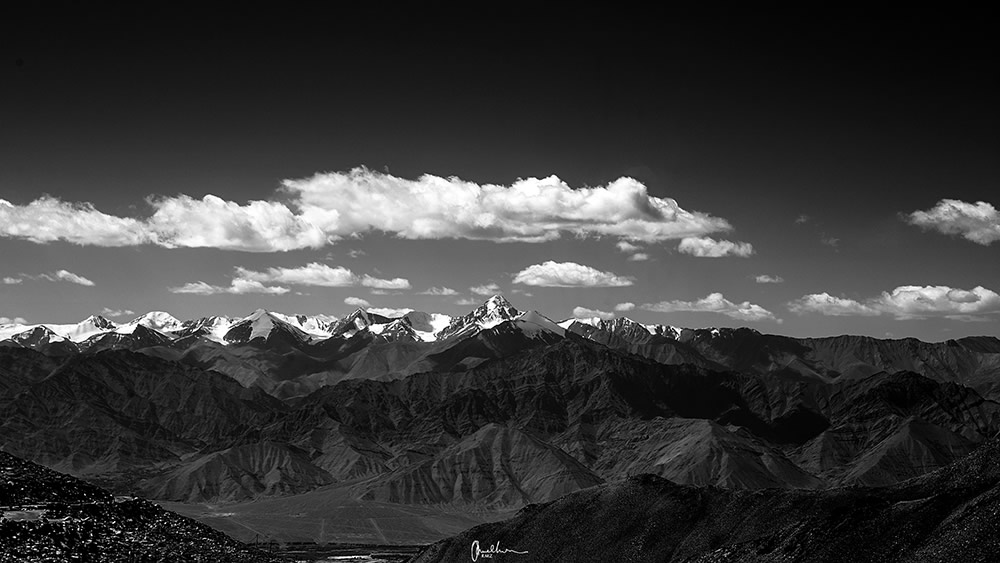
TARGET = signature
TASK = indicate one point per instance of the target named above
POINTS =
(492, 550)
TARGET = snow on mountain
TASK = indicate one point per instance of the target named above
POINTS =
(12, 329)
(427, 325)
(38, 337)
(92, 325)
(264, 325)
(157, 320)
(492, 312)
(359, 320)
(532, 323)
(213, 328)
(316, 325)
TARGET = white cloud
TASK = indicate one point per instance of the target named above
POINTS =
(529, 210)
(802, 219)
(355, 252)
(15, 321)
(238, 286)
(322, 275)
(765, 278)
(832, 242)
(63, 275)
(378, 283)
(627, 306)
(59, 275)
(259, 226)
(707, 247)
(438, 291)
(977, 222)
(584, 313)
(715, 303)
(911, 301)
(48, 219)
(638, 257)
(627, 247)
(826, 304)
(569, 274)
(389, 311)
(330, 206)
(465, 301)
(108, 312)
(356, 302)
(486, 289)
(907, 302)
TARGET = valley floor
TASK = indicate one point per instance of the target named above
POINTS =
(330, 516)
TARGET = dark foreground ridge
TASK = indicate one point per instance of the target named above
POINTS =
(952, 514)
(48, 516)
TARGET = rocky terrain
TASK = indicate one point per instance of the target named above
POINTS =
(951, 514)
(425, 424)
(48, 516)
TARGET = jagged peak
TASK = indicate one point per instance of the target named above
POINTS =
(497, 301)
(99, 322)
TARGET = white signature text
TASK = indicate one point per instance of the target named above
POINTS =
(492, 550)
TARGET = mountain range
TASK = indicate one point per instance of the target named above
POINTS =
(421, 425)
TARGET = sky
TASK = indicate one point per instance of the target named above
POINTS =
(809, 178)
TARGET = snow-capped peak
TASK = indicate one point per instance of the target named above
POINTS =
(94, 324)
(314, 325)
(492, 312)
(157, 320)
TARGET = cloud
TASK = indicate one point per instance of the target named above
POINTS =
(707, 247)
(238, 286)
(627, 306)
(715, 303)
(529, 210)
(389, 311)
(907, 302)
(108, 312)
(322, 275)
(826, 304)
(378, 283)
(977, 222)
(627, 247)
(584, 313)
(326, 207)
(14, 321)
(259, 226)
(356, 302)
(486, 289)
(914, 302)
(466, 301)
(48, 219)
(765, 278)
(59, 275)
(832, 242)
(569, 274)
(438, 291)
(802, 219)
(638, 257)
(63, 275)
(355, 252)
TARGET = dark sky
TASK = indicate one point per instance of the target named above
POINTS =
(853, 125)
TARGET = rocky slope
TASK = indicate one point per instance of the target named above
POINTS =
(480, 415)
(48, 516)
(947, 515)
